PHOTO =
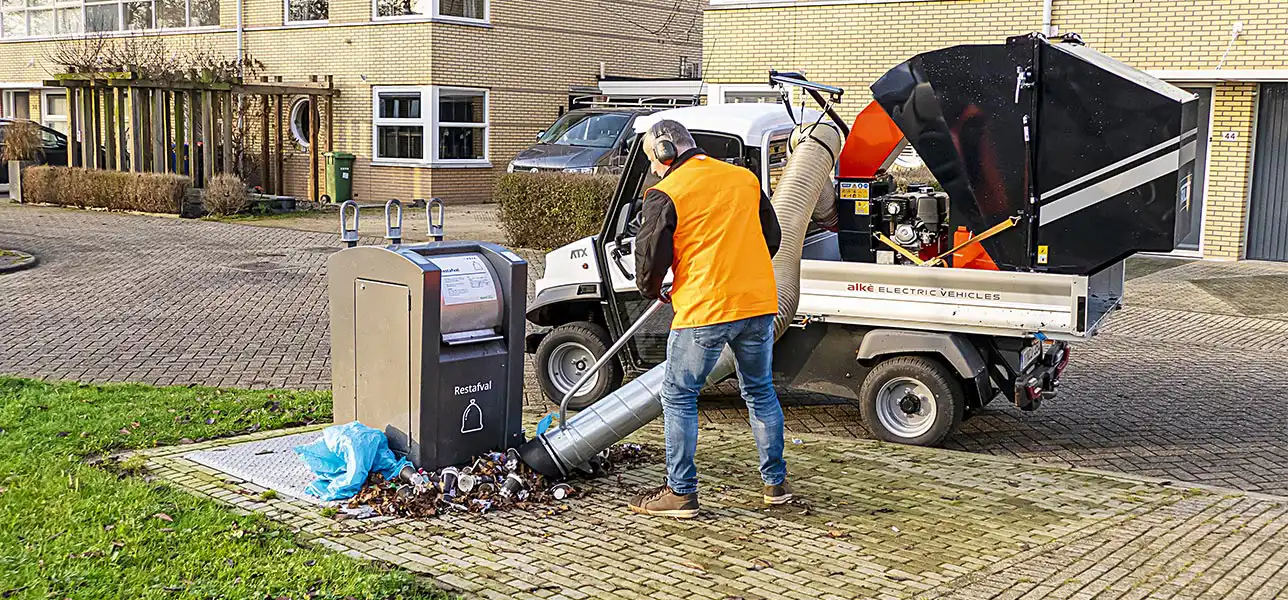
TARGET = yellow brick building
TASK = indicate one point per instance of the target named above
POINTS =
(1229, 52)
(498, 71)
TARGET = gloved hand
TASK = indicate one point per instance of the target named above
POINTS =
(664, 294)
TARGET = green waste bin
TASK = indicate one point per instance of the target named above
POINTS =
(339, 176)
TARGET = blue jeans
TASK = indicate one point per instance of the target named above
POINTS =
(691, 354)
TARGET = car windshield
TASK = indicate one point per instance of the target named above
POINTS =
(596, 130)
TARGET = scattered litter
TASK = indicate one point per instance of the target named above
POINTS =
(759, 564)
(164, 517)
(343, 458)
(495, 481)
(797, 441)
(894, 529)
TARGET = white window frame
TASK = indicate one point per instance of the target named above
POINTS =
(80, 5)
(717, 91)
(46, 118)
(434, 14)
(430, 124)
(286, 15)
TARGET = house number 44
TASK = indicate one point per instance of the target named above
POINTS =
(1230, 136)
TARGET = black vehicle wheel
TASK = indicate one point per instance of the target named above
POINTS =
(566, 354)
(911, 400)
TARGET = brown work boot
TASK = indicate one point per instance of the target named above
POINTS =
(662, 502)
(778, 494)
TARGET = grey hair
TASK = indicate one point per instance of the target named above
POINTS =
(667, 129)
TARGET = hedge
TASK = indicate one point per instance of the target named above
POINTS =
(112, 190)
(225, 195)
(544, 211)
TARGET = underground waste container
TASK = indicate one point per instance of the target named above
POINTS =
(339, 176)
(427, 345)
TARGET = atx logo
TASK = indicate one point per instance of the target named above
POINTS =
(860, 287)
(578, 253)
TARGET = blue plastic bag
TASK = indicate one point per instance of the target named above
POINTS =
(344, 456)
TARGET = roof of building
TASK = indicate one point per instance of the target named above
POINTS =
(750, 122)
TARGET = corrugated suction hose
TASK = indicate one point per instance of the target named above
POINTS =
(807, 178)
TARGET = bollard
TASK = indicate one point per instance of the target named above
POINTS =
(347, 235)
(435, 222)
(393, 229)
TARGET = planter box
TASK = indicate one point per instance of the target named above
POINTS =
(192, 208)
(265, 203)
(15, 178)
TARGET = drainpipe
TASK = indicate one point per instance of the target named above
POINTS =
(241, 30)
(1046, 17)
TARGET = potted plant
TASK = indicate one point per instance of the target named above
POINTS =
(20, 149)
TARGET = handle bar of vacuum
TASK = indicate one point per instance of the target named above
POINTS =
(608, 355)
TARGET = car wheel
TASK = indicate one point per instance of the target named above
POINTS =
(911, 400)
(566, 354)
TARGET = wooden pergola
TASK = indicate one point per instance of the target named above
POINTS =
(147, 125)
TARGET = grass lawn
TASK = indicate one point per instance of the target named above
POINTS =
(72, 530)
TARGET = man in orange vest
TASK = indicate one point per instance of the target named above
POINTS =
(708, 222)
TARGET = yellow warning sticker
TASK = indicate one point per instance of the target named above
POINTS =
(854, 191)
(861, 207)
(1042, 255)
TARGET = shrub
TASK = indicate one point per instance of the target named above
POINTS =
(225, 195)
(112, 190)
(159, 193)
(547, 210)
(38, 185)
(21, 141)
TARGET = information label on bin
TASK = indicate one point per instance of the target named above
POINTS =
(465, 279)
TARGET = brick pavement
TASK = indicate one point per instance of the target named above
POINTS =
(1183, 384)
(878, 521)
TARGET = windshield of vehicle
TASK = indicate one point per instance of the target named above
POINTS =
(596, 130)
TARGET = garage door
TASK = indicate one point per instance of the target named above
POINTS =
(1268, 216)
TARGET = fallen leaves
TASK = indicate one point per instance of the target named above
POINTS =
(692, 565)
(759, 564)
(836, 533)
(164, 517)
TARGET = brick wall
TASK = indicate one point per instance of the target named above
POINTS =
(1229, 171)
(527, 57)
(853, 44)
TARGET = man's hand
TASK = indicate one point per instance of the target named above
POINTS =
(665, 295)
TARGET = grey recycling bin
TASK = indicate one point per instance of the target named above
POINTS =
(427, 344)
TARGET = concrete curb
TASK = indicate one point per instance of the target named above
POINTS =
(24, 261)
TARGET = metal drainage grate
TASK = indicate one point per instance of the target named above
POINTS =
(270, 463)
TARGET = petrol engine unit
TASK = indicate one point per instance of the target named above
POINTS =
(913, 223)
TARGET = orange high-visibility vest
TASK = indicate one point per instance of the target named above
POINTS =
(721, 266)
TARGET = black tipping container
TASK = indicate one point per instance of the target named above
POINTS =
(1094, 156)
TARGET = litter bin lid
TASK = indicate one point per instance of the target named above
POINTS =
(338, 155)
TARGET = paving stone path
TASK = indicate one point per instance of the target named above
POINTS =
(878, 521)
(1186, 383)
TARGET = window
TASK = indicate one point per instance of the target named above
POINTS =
(744, 93)
(44, 18)
(306, 11)
(438, 126)
(462, 124)
(301, 125)
(465, 10)
(53, 111)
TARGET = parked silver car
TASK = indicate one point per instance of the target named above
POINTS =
(587, 140)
